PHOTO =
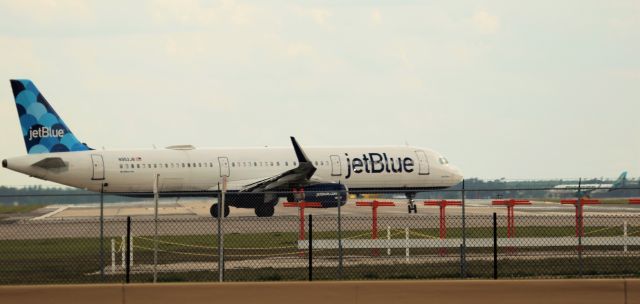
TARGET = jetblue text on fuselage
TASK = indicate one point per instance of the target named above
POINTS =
(45, 132)
(378, 163)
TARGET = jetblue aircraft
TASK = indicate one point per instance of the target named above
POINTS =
(256, 177)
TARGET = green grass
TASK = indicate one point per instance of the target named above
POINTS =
(9, 209)
(72, 260)
(549, 268)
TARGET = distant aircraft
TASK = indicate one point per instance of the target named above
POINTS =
(586, 190)
(257, 177)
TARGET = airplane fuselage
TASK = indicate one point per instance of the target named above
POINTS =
(184, 169)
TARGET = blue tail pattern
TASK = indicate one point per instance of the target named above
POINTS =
(43, 130)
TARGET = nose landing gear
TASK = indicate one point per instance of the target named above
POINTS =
(411, 205)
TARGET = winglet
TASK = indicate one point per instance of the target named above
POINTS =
(302, 157)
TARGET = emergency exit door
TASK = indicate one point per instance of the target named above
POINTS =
(336, 167)
(98, 167)
(423, 163)
(224, 166)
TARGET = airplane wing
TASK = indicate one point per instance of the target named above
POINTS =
(299, 176)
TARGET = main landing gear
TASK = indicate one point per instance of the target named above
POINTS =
(265, 210)
(411, 205)
(214, 210)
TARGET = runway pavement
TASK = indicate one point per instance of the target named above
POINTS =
(200, 208)
(184, 217)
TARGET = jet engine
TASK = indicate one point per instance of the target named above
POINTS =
(328, 194)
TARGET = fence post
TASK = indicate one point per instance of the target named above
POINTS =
(463, 255)
(579, 226)
(624, 231)
(461, 260)
(310, 247)
(340, 249)
(221, 208)
(388, 240)
(123, 252)
(102, 231)
(155, 227)
(128, 251)
(406, 243)
(495, 246)
(131, 250)
(113, 256)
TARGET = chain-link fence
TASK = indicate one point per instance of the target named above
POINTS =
(278, 248)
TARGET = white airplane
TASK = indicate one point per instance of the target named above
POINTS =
(256, 177)
(586, 190)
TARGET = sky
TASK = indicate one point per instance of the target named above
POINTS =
(513, 89)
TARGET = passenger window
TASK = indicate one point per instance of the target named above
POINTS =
(188, 165)
(211, 165)
(286, 164)
(233, 164)
(121, 166)
(278, 164)
(199, 165)
(294, 164)
(138, 166)
(271, 164)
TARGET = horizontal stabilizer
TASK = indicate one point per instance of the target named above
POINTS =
(50, 163)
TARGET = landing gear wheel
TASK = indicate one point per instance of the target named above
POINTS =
(214, 210)
(265, 210)
(412, 206)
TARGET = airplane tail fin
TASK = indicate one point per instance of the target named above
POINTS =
(620, 182)
(42, 128)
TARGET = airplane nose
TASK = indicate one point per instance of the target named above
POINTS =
(456, 173)
(4, 163)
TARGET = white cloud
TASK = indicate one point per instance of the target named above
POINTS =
(320, 16)
(376, 17)
(23, 61)
(50, 11)
(182, 12)
(194, 12)
(297, 49)
(485, 23)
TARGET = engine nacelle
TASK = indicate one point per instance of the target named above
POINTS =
(329, 195)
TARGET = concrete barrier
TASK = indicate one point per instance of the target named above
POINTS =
(442, 292)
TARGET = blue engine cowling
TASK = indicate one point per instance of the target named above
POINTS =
(329, 195)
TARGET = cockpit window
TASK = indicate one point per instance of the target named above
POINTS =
(443, 160)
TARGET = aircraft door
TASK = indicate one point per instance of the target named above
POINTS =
(336, 167)
(98, 167)
(423, 163)
(224, 166)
